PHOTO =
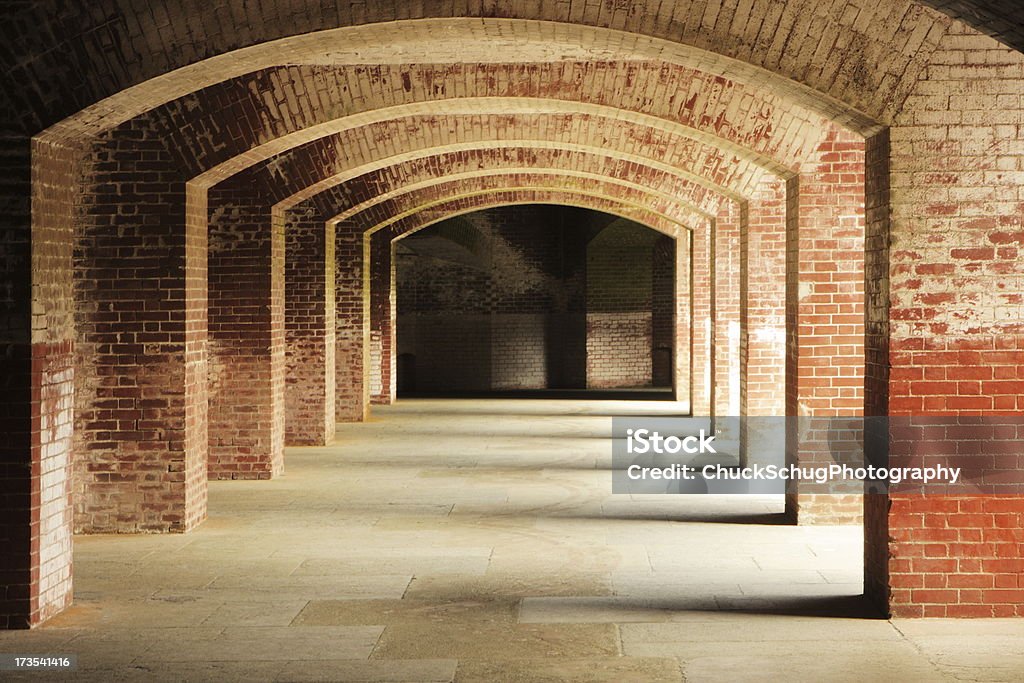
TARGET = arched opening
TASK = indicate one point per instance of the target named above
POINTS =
(162, 205)
(535, 300)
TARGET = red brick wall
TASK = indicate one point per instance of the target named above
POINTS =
(309, 330)
(825, 309)
(500, 320)
(762, 271)
(140, 295)
(351, 392)
(246, 337)
(36, 386)
(725, 310)
(382, 313)
(701, 321)
(956, 343)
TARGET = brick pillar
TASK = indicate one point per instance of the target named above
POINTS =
(36, 382)
(663, 319)
(309, 318)
(246, 289)
(382, 316)
(825, 312)
(701, 323)
(725, 311)
(683, 323)
(951, 344)
(877, 232)
(140, 385)
(351, 392)
(763, 303)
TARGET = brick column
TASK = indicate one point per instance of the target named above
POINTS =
(246, 289)
(951, 343)
(763, 303)
(36, 382)
(140, 297)
(382, 316)
(683, 323)
(701, 322)
(351, 298)
(725, 311)
(825, 312)
(663, 318)
(309, 318)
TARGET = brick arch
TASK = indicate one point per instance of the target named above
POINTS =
(1001, 19)
(755, 126)
(512, 193)
(135, 143)
(408, 137)
(456, 180)
(922, 141)
(679, 31)
(387, 206)
(352, 235)
(661, 213)
(378, 366)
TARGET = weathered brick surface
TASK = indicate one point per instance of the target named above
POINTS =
(140, 296)
(309, 330)
(956, 336)
(725, 310)
(783, 40)
(702, 324)
(943, 307)
(351, 355)
(383, 379)
(246, 336)
(825, 309)
(483, 300)
(1002, 19)
(762, 272)
(36, 382)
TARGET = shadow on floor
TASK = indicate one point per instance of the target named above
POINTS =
(766, 519)
(835, 606)
(550, 394)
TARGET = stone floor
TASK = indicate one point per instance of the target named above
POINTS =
(479, 541)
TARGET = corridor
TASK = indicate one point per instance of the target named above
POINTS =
(479, 541)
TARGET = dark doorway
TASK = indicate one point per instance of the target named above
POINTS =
(535, 299)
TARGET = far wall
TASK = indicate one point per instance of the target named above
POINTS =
(534, 297)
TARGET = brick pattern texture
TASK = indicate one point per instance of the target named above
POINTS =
(486, 302)
(137, 137)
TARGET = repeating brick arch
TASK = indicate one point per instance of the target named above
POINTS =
(414, 141)
(664, 190)
(869, 64)
(656, 185)
(509, 196)
(665, 214)
(223, 129)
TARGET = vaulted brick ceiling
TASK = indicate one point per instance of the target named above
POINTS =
(819, 53)
(1001, 19)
